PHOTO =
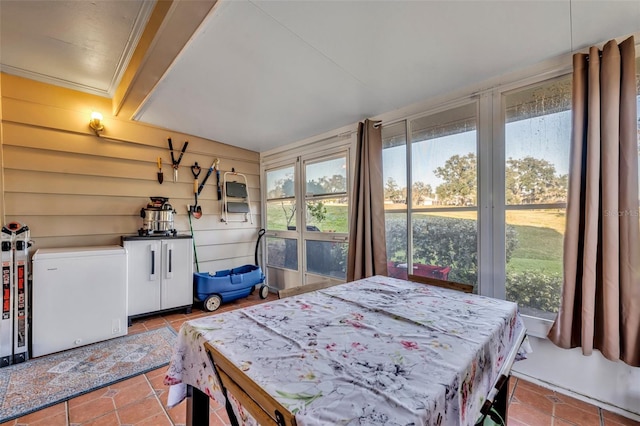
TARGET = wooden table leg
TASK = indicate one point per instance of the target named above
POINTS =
(197, 407)
(501, 403)
(497, 401)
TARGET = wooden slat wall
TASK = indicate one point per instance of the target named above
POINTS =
(75, 189)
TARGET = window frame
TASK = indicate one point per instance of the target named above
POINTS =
(494, 282)
(491, 199)
(410, 209)
(334, 147)
(283, 234)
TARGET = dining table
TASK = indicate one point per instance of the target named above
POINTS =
(376, 351)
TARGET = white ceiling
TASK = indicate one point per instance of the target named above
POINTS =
(264, 73)
(83, 45)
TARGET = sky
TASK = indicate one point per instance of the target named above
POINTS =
(314, 171)
(546, 137)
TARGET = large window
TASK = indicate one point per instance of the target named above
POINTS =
(537, 144)
(440, 202)
(444, 222)
(326, 216)
(498, 221)
(307, 214)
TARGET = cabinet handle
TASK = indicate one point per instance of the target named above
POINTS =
(168, 260)
(153, 262)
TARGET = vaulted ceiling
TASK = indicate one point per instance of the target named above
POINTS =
(264, 73)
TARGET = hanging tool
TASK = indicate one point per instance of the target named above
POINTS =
(195, 252)
(196, 209)
(218, 183)
(176, 163)
(213, 165)
(160, 175)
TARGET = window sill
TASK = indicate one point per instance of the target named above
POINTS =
(537, 327)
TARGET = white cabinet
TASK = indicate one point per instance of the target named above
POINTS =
(160, 274)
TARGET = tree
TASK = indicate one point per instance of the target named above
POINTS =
(459, 180)
(420, 191)
(316, 187)
(532, 180)
(335, 183)
(392, 191)
(317, 210)
(283, 188)
(289, 212)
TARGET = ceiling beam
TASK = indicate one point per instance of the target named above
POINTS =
(171, 25)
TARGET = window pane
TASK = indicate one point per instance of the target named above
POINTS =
(394, 171)
(327, 258)
(537, 142)
(396, 235)
(327, 177)
(445, 246)
(328, 215)
(534, 240)
(537, 149)
(443, 166)
(281, 215)
(394, 165)
(281, 183)
(282, 253)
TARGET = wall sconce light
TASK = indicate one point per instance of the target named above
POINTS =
(96, 123)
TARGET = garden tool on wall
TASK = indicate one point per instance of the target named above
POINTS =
(195, 252)
(160, 175)
(213, 165)
(196, 210)
(218, 183)
(176, 163)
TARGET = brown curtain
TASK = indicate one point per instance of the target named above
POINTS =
(367, 243)
(600, 307)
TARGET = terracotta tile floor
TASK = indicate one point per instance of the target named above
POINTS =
(141, 400)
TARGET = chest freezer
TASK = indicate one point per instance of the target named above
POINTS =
(79, 297)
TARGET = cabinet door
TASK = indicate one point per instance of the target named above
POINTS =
(145, 272)
(177, 273)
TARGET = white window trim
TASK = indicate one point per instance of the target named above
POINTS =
(341, 145)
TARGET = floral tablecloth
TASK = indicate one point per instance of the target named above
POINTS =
(375, 351)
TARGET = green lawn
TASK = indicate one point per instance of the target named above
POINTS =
(518, 264)
(335, 220)
(540, 236)
(539, 233)
(538, 243)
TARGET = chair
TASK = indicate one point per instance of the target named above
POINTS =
(294, 291)
(265, 409)
(466, 288)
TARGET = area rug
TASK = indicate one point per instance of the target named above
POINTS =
(48, 380)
